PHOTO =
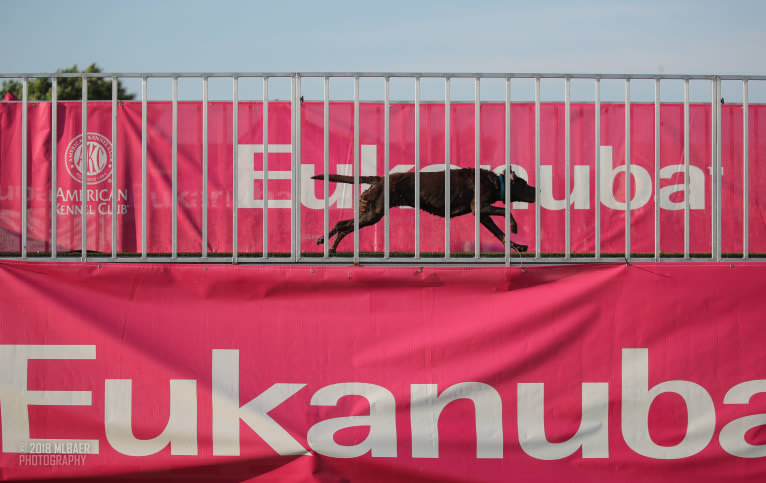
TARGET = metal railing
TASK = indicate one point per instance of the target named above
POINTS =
(386, 256)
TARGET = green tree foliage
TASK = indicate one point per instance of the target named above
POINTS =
(69, 88)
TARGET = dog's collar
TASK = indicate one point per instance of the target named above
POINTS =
(501, 177)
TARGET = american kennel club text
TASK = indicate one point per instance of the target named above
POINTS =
(427, 401)
(96, 162)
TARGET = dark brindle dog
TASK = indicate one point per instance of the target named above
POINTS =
(462, 198)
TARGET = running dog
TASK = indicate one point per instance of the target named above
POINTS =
(462, 198)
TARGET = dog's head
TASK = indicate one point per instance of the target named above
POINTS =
(520, 189)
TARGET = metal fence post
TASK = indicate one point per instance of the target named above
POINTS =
(297, 179)
(507, 173)
(537, 168)
(54, 165)
(628, 175)
(115, 166)
(447, 167)
(477, 168)
(235, 169)
(326, 171)
(84, 161)
(686, 168)
(204, 166)
(657, 155)
(174, 169)
(417, 167)
(745, 170)
(144, 107)
(597, 155)
(567, 170)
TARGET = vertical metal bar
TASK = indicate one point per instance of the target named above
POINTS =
(447, 167)
(235, 165)
(326, 171)
(745, 170)
(719, 172)
(204, 167)
(507, 172)
(24, 162)
(144, 190)
(266, 167)
(356, 169)
(84, 169)
(714, 103)
(296, 181)
(597, 191)
(477, 168)
(54, 164)
(657, 155)
(293, 157)
(537, 167)
(386, 168)
(114, 166)
(174, 172)
(417, 167)
(686, 168)
(627, 168)
(567, 169)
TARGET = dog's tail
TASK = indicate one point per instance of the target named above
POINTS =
(339, 178)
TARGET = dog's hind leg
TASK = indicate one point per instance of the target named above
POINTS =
(345, 227)
(342, 228)
(334, 230)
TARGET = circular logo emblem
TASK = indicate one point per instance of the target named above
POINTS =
(98, 158)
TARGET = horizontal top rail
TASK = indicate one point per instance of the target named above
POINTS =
(456, 75)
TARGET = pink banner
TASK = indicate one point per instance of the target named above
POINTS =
(123, 158)
(179, 372)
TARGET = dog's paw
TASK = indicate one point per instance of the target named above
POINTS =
(521, 248)
(320, 240)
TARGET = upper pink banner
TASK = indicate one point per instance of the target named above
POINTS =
(123, 158)
(181, 372)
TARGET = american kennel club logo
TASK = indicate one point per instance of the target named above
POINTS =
(98, 156)
(96, 162)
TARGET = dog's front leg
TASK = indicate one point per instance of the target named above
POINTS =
(492, 210)
(514, 226)
(487, 221)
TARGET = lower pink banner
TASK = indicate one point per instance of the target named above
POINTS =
(222, 373)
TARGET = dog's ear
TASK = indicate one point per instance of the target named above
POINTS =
(512, 176)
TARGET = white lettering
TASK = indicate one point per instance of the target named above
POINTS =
(227, 412)
(381, 441)
(592, 435)
(427, 406)
(180, 432)
(580, 196)
(641, 181)
(15, 398)
(732, 437)
(246, 175)
(696, 188)
(637, 399)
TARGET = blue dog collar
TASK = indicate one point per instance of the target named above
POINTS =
(502, 184)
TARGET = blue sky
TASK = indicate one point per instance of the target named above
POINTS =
(671, 36)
